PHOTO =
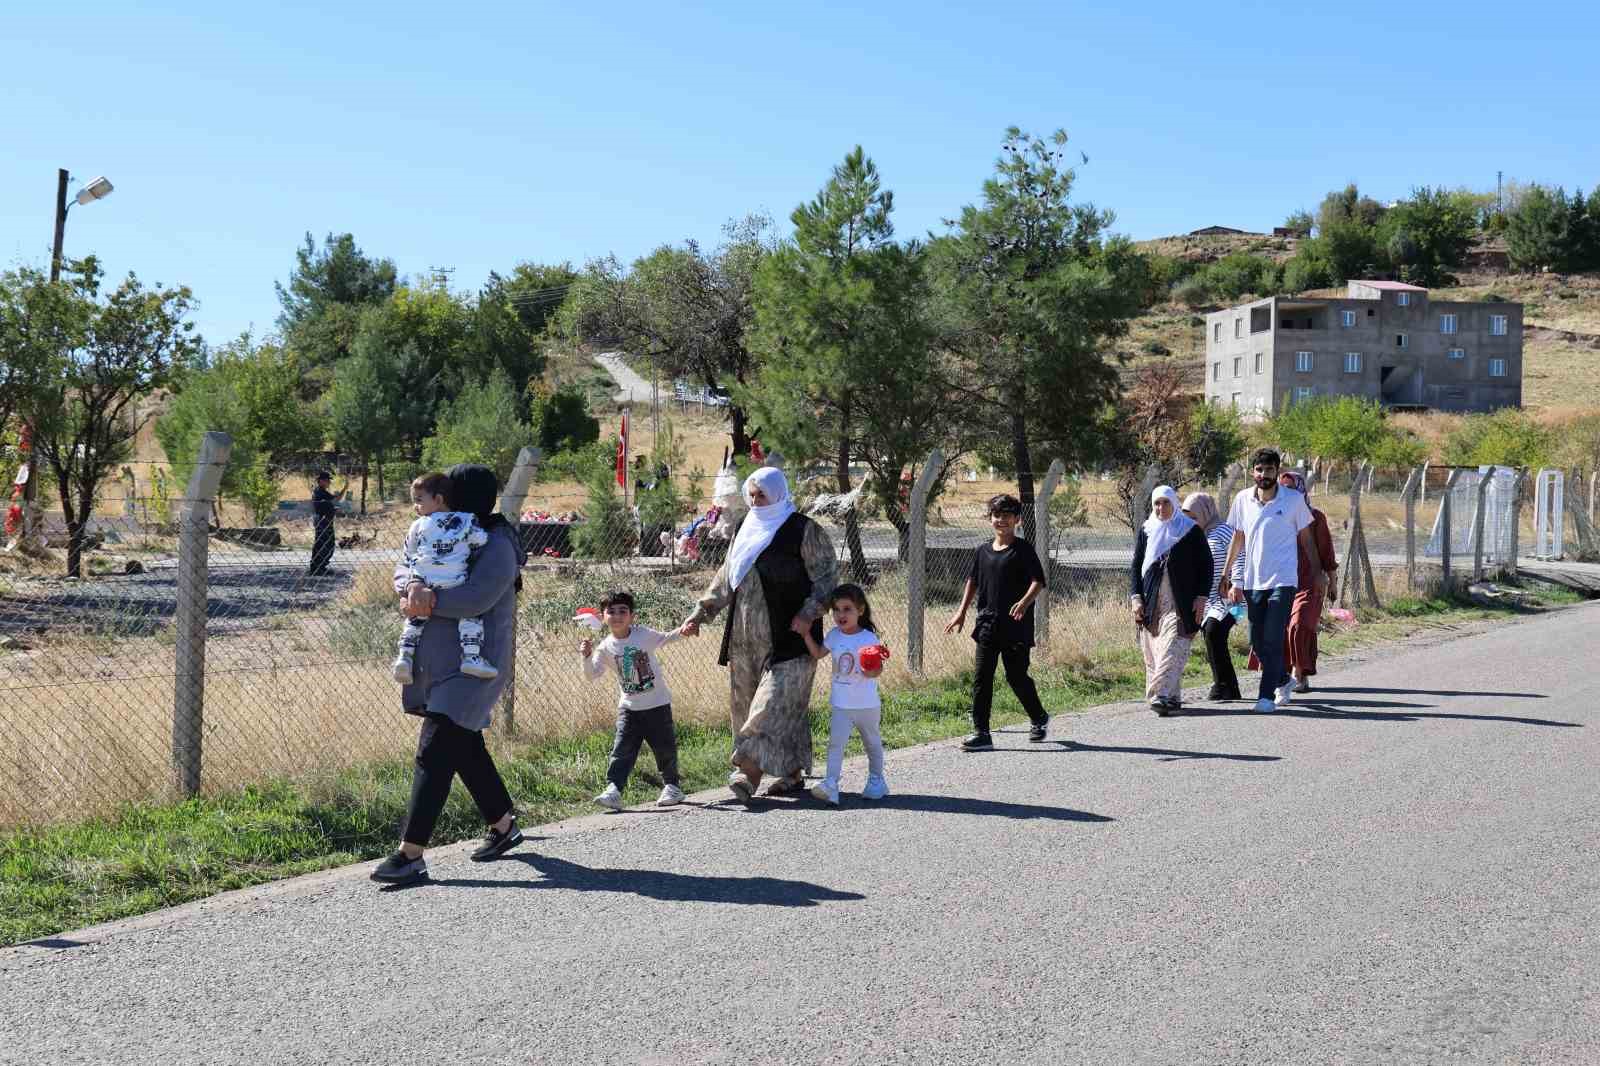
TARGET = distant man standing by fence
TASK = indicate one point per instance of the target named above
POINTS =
(321, 525)
(1268, 521)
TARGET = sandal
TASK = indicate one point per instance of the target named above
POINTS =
(787, 786)
(742, 790)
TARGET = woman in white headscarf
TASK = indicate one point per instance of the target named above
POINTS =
(778, 574)
(1169, 583)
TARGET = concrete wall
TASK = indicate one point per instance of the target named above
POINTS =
(1419, 373)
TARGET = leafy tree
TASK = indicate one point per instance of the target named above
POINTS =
(117, 349)
(1429, 234)
(39, 324)
(1033, 291)
(362, 407)
(251, 392)
(482, 425)
(1216, 438)
(1299, 223)
(1537, 232)
(1507, 437)
(327, 290)
(1239, 274)
(1306, 271)
(685, 309)
(607, 531)
(848, 368)
(561, 420)
(1348, 205)
(1399, 450)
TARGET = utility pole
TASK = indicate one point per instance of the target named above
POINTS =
(29, 536)
(62, 177)
(1499, 192)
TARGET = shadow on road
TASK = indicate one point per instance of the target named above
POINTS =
(1165, 754)
(904, 801)
(1430, 692)
(658, 884)
(1328, 709)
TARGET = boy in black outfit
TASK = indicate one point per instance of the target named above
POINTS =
(1006, 578)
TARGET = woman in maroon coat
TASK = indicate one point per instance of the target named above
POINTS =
(1306, 613)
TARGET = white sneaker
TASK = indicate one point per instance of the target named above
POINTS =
(401, 671)
(826, 791)
(1286, 693)
(875, 789)
(611, 797)
(479, 667)
(1266, 706)
(670, 796)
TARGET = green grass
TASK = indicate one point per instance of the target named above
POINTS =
(148, 856)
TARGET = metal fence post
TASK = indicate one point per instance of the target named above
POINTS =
(917, 561)
(1408, 496)
(1479, 506)
(1444, 525)
(511, 500)
(1509, 567)
(1041, 521)
(189, 622)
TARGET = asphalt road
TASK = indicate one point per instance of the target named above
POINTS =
(1399, 869)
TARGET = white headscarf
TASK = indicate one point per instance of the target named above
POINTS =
(1161, 537)
(761, 524)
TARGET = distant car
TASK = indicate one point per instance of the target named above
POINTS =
(717, 396)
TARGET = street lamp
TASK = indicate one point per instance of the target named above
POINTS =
(98, 189)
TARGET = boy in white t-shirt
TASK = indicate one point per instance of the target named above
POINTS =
(644, 704)
(1271, 526)
(857, 662)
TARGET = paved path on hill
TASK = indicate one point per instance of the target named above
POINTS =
(1402, 868)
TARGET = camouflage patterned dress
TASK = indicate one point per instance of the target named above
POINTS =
(770, 702)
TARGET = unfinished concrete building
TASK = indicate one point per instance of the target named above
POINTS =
(1384, 340)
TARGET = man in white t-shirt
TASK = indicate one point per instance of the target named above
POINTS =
(1271, 526)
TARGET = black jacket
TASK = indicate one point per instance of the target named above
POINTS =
(1189, 566)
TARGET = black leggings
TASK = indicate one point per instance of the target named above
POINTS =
(1224, 682)
(1015, 658)
(444, 750)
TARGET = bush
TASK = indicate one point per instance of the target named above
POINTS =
(1305, 272)
(608, 532)
(1193, 293)
(1507, 437)
(562, 422)
(1240, 274)
(258, 489)
(371, 631)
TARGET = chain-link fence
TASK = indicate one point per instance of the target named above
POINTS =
(206, 647)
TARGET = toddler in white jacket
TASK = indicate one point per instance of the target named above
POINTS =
(438, 546)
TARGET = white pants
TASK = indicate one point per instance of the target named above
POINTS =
(839, 727)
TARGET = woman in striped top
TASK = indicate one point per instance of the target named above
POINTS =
(1202, 507)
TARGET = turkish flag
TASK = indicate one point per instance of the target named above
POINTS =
(622, 453)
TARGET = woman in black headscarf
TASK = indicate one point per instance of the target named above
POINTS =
(455, 708)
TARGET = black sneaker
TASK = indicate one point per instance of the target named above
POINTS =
(1040, 731)
(399, 870)
(978, 742)
(496, 843)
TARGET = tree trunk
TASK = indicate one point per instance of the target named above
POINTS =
(902, 528)
(852, 520)
(381, 496)
(1022, 461)
(741, 441)
(365, 466)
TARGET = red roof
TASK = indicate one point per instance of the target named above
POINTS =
(1390, 286)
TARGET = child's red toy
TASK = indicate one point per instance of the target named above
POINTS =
(873, 657)
(589, 618)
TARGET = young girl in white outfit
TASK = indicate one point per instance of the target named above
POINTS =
(437, 548)
(857, 662)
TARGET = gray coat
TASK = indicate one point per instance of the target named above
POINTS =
(489, 593)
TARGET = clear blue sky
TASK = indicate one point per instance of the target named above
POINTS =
(477, 135)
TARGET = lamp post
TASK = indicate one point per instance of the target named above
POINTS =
(98, 189)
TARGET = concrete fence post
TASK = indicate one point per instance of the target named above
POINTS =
(512, 497)
(1041, 518)
(917, 561)
(1422, 486)
(1480, 507)
(189, 620)
(1408, 496)
(1445, 518)
(1594, 477)
(1508, 566)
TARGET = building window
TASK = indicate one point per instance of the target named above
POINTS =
(1238, 365)
(1347, 319)
(1352, 362)
(1216, 371)
(1238, 327)
(1497, 325)
(1457, 353)
(1402, 341)
(1260, 361)
(1216, 331)
(1402, 299)
(1447, 323)
(1302, 393)
(1497, 368)
(1302, 362)
(1234, 400)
